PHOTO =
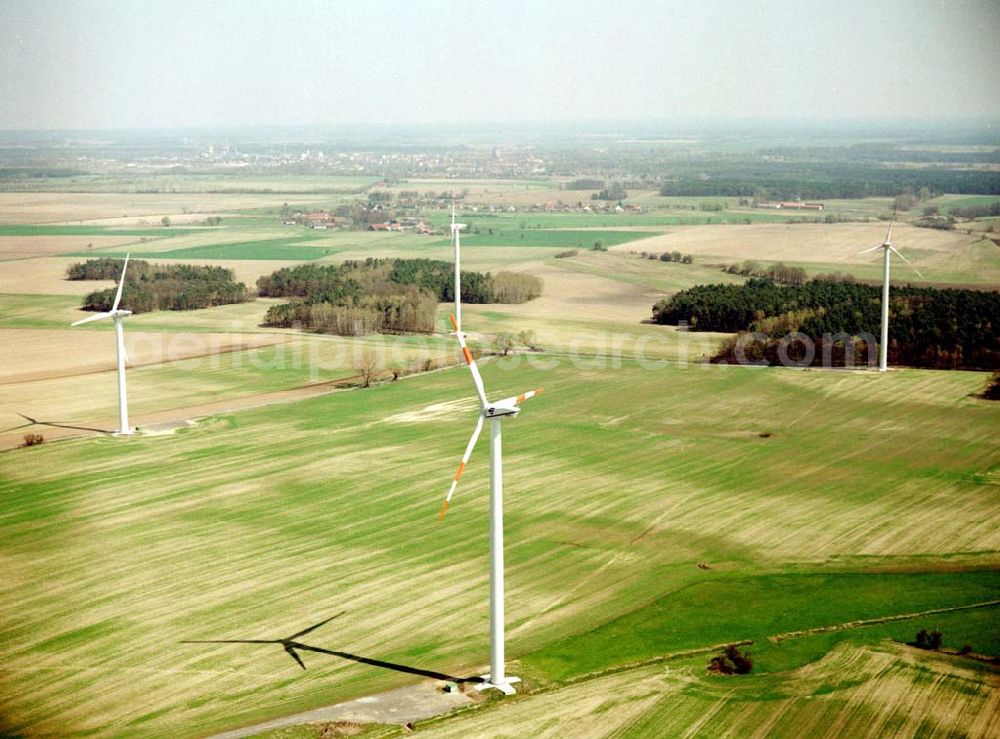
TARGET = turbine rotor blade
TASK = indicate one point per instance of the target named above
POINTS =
(88, 319)
(866, 251)
(896, 252)
(518, 399)
(121, 346)
(461, 467)
(892, 220)
(476, 377)
(121, 284)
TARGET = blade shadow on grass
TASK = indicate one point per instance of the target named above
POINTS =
(55, 424)
(290, 645)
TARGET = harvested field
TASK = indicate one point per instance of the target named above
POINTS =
(23, 247)
(45, 276)
(47, 354)
(943, 255)
(40, 207)
(862, 692)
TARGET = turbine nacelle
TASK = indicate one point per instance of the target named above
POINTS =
(501, 410)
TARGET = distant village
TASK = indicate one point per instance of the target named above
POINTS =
(791, 205)
(380, 216)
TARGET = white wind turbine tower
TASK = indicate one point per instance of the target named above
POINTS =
(118, 316)
(506, 408)
(886, 247)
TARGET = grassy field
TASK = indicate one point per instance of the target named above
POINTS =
(863, 692)
(290, 248)
(613, 499)
(810, 498)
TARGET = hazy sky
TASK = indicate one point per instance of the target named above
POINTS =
(139, 63)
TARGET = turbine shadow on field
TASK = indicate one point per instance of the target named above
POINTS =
(55, 424)
(290, 645)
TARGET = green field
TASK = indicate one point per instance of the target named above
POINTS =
(121, 549)
(547, 237)
(293, 247)
(33, 230)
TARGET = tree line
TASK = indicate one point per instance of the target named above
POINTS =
(779, 272)
(382, 295)
(986, 210)
(150, 287)
(816, 181)
(928, 327)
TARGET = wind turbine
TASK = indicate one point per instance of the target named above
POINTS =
(495, 412)
(118, 316)
(886, 247)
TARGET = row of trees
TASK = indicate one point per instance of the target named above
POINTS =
(382, 295)
(945, 329)
(105, 268)
(355, 277)
(780, 272)
(828, 181)
(985, 210)
(669, 256)
(150, 287)
(411, 311)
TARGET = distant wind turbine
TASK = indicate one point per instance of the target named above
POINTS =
(118, 316)
(506, 408)
(886, 247)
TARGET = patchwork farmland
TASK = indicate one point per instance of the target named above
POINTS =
(657, 506)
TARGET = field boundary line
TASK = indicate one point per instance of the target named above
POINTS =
(846, 626)
(666, 657)
(860, 623)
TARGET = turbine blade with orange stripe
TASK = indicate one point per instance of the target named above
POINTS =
(461, 468)
(476, 377)
(518, 399)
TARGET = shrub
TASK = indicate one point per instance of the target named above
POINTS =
(731, 662)
(33, 439)
(367, 367)
(566, 254)
(504, 343)
(934, 640)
